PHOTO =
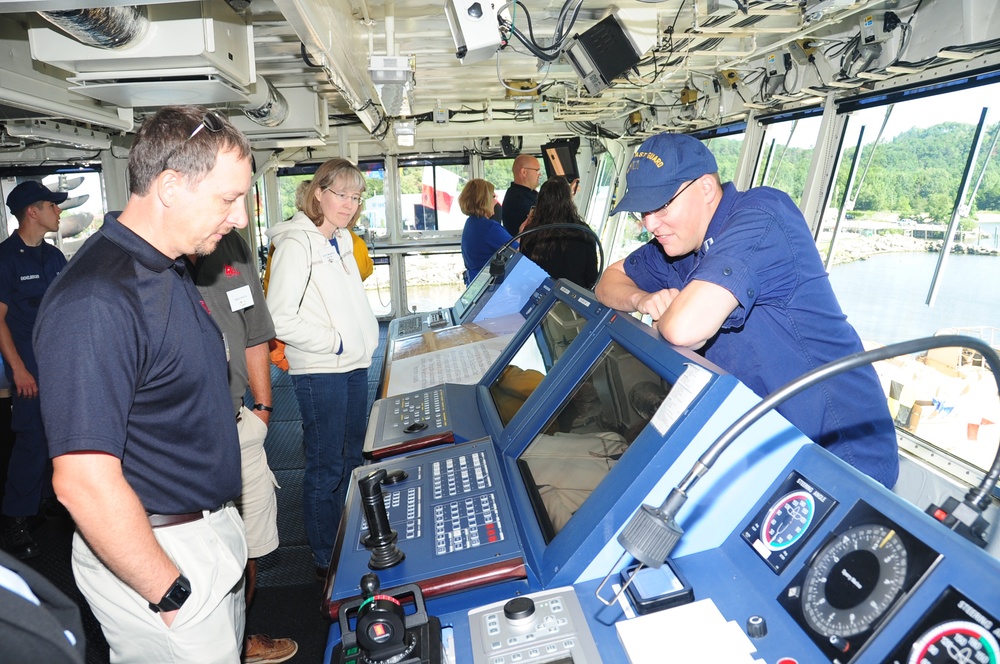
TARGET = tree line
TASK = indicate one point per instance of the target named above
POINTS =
(916, 173)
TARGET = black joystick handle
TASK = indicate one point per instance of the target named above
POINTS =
(381, 538)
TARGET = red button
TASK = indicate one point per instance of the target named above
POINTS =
(787, 660)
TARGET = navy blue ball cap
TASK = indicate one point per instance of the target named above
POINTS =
(660, 166)
(29, 192)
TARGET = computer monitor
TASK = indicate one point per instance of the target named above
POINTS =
(587, 435)
(472, 293)
(559, 158)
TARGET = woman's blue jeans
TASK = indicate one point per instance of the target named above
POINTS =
(334, 409)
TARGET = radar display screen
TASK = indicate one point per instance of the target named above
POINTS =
(587, 434)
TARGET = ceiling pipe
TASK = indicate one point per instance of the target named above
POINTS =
(267, 107)
(107, 28)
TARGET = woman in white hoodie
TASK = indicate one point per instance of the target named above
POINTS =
(321, 312)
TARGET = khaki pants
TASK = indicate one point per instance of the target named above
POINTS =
(211, 553)
(258, 505)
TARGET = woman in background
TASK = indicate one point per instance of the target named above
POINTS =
(481, 236)
(564, 253)
(321, 312)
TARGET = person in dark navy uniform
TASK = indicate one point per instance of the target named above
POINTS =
(28, 264)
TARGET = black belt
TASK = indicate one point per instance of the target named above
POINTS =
(165, 520)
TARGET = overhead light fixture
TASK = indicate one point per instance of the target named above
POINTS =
(393, 79)
(59, 134)
(406, 132)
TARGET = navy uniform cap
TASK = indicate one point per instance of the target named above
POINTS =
(659, 167)
(30, 192)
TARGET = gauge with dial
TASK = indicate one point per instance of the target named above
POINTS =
(856, 578)
(853, 580)
(786, 520)
(954, 630)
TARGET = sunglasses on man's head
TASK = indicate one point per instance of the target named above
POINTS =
(211, 121)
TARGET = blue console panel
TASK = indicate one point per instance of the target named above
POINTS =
(867, 579)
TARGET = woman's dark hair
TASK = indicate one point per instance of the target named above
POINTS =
(554, 206)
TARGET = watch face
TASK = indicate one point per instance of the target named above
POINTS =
(179, 592)
(176, 596)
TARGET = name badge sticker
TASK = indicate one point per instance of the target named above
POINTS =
(329, 254)
(240, 298)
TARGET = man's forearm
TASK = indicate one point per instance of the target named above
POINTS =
(618, 291)
(113, 521)
(259, 373)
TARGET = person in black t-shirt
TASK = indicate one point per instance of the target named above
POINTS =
(521, 194)
(564, 253)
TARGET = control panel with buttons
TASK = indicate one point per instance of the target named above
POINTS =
(547, 626)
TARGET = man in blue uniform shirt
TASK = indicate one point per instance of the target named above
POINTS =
(736, 275)
(144, 446)
(28, 264)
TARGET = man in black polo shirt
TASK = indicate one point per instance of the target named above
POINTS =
(140, 423)
(521, 194)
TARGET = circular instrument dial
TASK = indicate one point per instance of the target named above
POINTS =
(853, 580)
(788, 520)
(955, 642)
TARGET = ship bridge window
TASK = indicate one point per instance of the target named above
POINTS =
(597, 207)
(429, 211)
(786, 154)
(84, 209)
(887, 251)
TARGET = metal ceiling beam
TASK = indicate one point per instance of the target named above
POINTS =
(333, 39)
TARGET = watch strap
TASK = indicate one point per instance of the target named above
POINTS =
(266, 409)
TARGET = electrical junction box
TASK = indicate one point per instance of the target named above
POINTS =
(602, 53)
(541, 111)
(730, 78)
(773, 64)
(872, 25)
(801, 50)
(521, 88)
(474, 28)
(689, 95)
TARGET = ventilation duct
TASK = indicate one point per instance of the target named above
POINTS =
(267, 106)
(105, 28)
(170, 53)
(305, 121)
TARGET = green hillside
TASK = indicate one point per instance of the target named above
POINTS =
(916, 174)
